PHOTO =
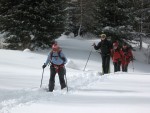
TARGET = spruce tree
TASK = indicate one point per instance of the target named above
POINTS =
(72, 20)
(113, 17)
(31, 23)
(79, 19)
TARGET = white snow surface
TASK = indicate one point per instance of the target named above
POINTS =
(21, 73)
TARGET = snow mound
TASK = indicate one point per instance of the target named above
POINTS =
(72, 65)
(27, 50)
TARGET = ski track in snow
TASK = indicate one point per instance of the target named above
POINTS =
(78, 82)
(19, 97)
(25, 96)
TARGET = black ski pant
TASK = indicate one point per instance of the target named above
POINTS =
(125, 67)
(117, 66)
(105, 63)
(61, 72)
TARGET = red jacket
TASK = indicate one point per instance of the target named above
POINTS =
(127, 56)
(116, 55)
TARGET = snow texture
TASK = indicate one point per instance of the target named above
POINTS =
(21, 72)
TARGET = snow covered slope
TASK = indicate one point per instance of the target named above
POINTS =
(21, 72)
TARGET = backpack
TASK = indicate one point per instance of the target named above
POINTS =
(51, 55)
(127, 53)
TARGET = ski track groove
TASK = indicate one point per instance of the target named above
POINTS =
(19, 97)
(12, 98)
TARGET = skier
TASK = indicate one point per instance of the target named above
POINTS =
(105, 47)
(127, 57)
(116, 54)
(57, 61)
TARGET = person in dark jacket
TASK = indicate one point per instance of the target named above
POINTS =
(105, 50)
(57, 61)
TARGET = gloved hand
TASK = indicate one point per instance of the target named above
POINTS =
(93, 44)
(131, 59)
(43, 66)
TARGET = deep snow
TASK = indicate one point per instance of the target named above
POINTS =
(21, 72)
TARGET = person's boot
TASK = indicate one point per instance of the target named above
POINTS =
(51, 85)
(63, 85)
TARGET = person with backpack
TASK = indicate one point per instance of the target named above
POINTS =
(105, 50)
(127, 57)
(57, 61)
(116, 54)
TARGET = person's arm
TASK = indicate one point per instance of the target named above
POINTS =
(48, 59)
(121, 54)
(98, 46)
(111, 53)
(130, 55)
(110, 47)
(63, 57)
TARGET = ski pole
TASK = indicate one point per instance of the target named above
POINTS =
(42, 78)
(133, 65)
(88, 59)
(66, 80)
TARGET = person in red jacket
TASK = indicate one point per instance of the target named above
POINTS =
(116, 54)
(127, 57)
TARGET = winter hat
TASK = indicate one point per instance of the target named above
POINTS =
(55, 47)
(103, 35)
(115, 44)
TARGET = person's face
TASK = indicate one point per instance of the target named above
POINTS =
(102, 38)
(115, 47)
(55, 50)
(124, 46)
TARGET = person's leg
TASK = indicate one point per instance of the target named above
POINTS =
(126, 68)
(123, 68)
(103, 64)
(61, 73)
(115, 66)
(107, 63)
(118, 65)
(52, 78)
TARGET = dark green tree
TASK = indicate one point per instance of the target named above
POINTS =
(79, 19)
(72, 20)
(31, 23)
(141, 16)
